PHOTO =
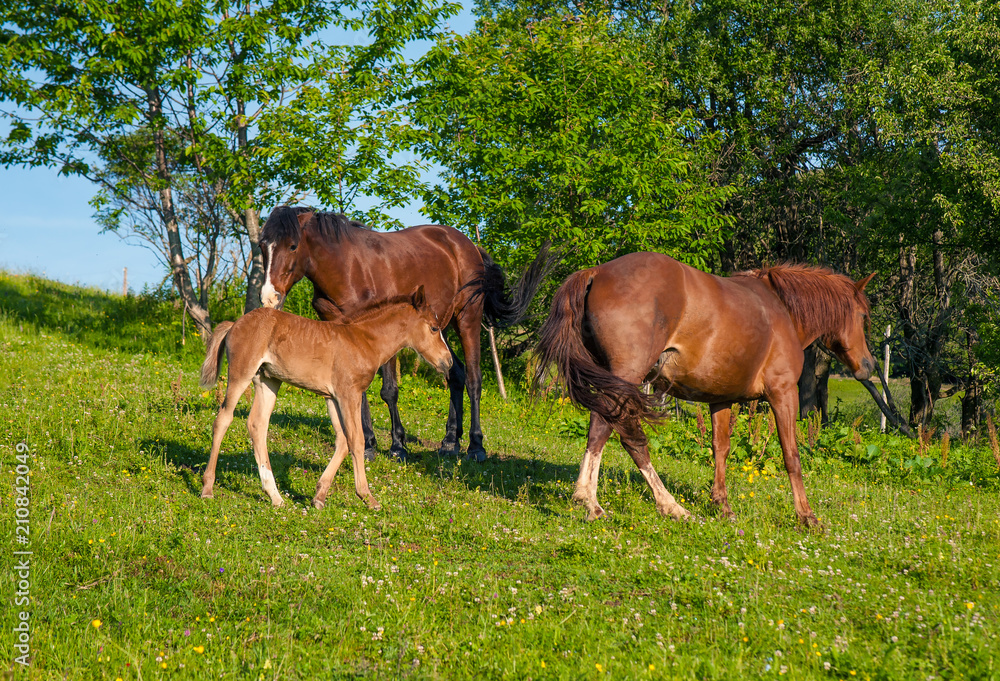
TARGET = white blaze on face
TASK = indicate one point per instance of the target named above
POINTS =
(268, 296)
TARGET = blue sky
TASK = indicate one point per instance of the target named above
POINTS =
(47, 227)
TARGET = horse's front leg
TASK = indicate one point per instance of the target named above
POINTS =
(265, 395)
(390, 395)
(341, 448)
(784, 404)
(350, 418)
(721, 415)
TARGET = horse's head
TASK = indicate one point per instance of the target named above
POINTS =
(850, 342)
(285, 253)
(427, 338)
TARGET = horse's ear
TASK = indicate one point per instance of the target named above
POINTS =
(418, 298)
(861, 283)
(304, 217)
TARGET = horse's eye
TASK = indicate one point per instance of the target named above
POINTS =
(435, 329)
(293, 247)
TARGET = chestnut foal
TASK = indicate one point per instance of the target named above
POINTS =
(335, 360)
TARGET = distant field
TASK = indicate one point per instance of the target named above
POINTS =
(469, 570)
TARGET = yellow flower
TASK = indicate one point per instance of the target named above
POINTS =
(199, 649)
(599, 667)
(97, 624)
(652, 667)
(970, 605)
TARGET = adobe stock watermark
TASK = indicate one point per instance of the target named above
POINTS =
(22, 555)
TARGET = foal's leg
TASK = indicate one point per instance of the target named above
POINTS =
(390, 395)
(785, 405)
(451, 445)
(469, 330)
(350, 419)
(340, 451)
(586, 484)
(635, 443)
(721, 415)
(234, 388)
(265, 394)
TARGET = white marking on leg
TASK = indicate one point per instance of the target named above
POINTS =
(270, 486)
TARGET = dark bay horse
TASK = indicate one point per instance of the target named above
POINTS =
(335, 360)
(645, 317)
(351, 267)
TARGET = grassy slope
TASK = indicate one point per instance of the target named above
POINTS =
(470, 570)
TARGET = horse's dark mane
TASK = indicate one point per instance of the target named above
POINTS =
(283, 223)
(817, 298)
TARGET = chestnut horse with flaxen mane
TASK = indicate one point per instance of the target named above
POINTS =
(352, 267)
(645, 317)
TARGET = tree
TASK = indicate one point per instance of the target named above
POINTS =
(144, 98)
(557, 132)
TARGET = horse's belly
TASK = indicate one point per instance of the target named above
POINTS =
(698, 381)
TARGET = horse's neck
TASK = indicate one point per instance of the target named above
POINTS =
(383, 335)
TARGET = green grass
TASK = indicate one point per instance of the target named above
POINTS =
(469, 570)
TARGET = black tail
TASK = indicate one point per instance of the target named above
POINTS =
(588, 384)
(502, 308)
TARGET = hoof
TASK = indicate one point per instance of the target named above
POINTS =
(318, 504)
(373, 504)
(595, 514)
(811, 522)
(277, 503)
(370, 453)
(397, 452)
(207, 495)
(478, 454)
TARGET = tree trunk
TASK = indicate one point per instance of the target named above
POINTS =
(255, 277)
(178, 264)
(972, 400)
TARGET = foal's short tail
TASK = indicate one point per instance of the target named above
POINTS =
(503, 308)
(588, 383)
(213, 355)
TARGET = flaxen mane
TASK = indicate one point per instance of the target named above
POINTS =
(816, 297)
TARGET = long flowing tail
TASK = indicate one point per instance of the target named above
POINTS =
(589, 384)
(213, 355)
(503, 308)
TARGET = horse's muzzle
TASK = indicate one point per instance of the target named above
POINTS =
(445, 366)
(866, 369)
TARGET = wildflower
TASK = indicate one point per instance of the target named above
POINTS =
(199, 649)
(599, 667)
(97, 624)
(970, 605)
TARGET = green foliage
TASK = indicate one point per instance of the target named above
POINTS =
(557, 132)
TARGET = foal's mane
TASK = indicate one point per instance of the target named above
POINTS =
(283, 223)
(816, 297)
(373, 311)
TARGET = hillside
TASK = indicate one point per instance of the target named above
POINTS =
(469, 570)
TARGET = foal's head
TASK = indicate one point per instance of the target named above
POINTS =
(285, 253)
(427, 337)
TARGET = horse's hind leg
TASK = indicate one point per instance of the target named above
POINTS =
(222, 422)
(635, 443)
(451, 444)
(265, 394)
(325, 480)
(390, 395)
(721, 414)
(586, 484)
(469, 332)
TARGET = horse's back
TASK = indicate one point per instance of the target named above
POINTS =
(704, 337)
